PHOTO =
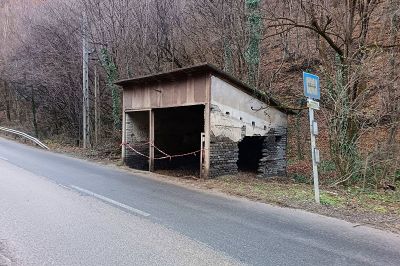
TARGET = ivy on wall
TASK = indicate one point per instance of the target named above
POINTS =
(112, 76)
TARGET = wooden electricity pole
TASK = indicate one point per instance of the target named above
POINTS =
(85, 86)
(96, 107)
(6, 88)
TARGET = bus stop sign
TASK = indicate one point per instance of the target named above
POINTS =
(311, 86)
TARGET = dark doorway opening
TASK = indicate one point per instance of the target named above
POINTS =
(250, 153)
(177, 131)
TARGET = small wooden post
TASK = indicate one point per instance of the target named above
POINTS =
(151, 140)
(202, 144)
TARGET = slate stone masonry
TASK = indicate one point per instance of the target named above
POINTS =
(136, 161)
(136, 130)
(274, 162)
(224, 154)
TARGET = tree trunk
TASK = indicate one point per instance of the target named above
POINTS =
(7, 101)
(34, 121)
(300, 155)
(393, 97)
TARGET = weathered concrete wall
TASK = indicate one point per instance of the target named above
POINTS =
(235, 115)
(137, 136)
(232, 109)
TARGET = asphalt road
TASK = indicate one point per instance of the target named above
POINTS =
(63, 211)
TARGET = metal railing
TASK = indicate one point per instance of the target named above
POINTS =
(22, 134)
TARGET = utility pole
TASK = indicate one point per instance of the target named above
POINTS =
(6, 88)
(85, 86)
(96, 107)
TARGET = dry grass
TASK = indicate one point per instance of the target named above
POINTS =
(377, 208)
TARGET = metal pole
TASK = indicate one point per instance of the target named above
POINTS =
(85, 86)
(314, 163)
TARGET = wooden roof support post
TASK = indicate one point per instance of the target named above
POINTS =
(207, 140)
(151, 140)
(207, 128)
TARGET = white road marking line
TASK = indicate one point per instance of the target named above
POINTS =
(61, 185)
(4, 159)
(119, 204)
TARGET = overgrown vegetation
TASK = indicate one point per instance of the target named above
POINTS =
(111, 77)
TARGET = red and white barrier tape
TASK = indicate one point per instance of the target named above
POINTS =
(167, 156)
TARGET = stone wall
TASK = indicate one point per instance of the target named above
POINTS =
(224, 154)
(136, 131)
(274, 162)
(136, 161)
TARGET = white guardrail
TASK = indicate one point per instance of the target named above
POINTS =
(22, 134)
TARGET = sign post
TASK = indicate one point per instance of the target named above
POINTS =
(312, 92)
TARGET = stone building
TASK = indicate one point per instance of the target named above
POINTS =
(201, 118)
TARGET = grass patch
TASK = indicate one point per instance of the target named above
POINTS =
(376, 201)
(301, 195)
(331, 200)
(303, 179)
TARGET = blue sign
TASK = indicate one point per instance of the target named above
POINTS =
(311, 86)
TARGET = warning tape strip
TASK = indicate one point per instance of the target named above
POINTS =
(136, 144)
(167, 156)
(131, 148)
(159, 150)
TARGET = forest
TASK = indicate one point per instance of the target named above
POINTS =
(353, 45)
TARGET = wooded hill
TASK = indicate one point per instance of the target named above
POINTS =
(352, 44)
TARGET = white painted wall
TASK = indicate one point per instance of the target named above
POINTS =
(243, 109)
